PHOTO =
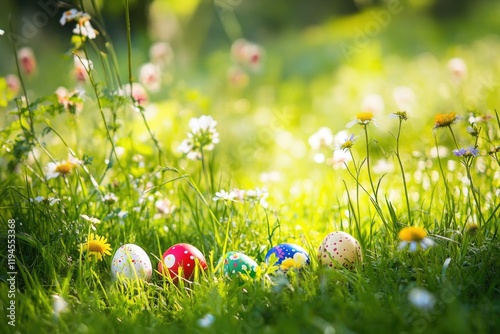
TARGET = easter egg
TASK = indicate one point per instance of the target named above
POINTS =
(180, 261)
(131, 261)
(289, 255)
(340, 248)
(236, 263)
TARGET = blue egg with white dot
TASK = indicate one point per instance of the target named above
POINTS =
(289, 255)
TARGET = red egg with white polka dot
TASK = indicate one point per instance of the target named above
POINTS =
(340, 249)
(180, 260)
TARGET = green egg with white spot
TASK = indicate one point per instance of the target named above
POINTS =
(236, 264)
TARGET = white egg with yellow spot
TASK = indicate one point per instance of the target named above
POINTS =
(340, 249)
(131, 262)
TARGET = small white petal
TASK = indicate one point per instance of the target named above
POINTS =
(402, 244)
(413, 246)
(426, 243)
(351, 124)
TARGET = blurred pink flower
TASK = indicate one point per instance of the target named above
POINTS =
(27, 60)
(81, 68)
(150, 77)
(64, 97)
(247, 53)
(237, 77)
(139, 93)
(457, 68)
(164, 207)
(161, 54)
(13, 83)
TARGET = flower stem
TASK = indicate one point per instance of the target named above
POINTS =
(453, 136)
(443, 175)
(129, 56)
(357, 186)
(205, 172)
(368, 163)
(467, 162)
(403, 172)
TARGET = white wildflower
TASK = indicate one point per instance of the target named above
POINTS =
(203, 136)
(85, 29)
(110, 198)
(59, 305)
(321, 138)
(421, 299)
(225, 196)
(207, 320)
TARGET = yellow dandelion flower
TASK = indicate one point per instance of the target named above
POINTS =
(364, 116)
(287, 264)
(299, 260)
(414, 236)
(444, 120)
(96, 246)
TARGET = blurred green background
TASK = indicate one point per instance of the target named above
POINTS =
(196, 28)
(321, 58)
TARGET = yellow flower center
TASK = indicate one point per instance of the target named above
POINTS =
(96, 246)
(64, 168)
(364, 116)
(347, 144)
(412, 234)
(443, 120)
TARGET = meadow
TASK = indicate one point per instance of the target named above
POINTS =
(356, 124)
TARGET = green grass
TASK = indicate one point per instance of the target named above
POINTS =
(264, 127)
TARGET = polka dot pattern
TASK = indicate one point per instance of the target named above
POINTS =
(131, 261)
(286, 251)
(236, 263)
(340, 248)
(180, 261)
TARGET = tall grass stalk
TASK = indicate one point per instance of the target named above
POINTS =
(354, 208)
(467, 161)
(368, 167)
(450, 203)
(129, 62)
(402, 117)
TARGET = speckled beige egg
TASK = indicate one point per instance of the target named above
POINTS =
(131, 262)
(340, 248)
